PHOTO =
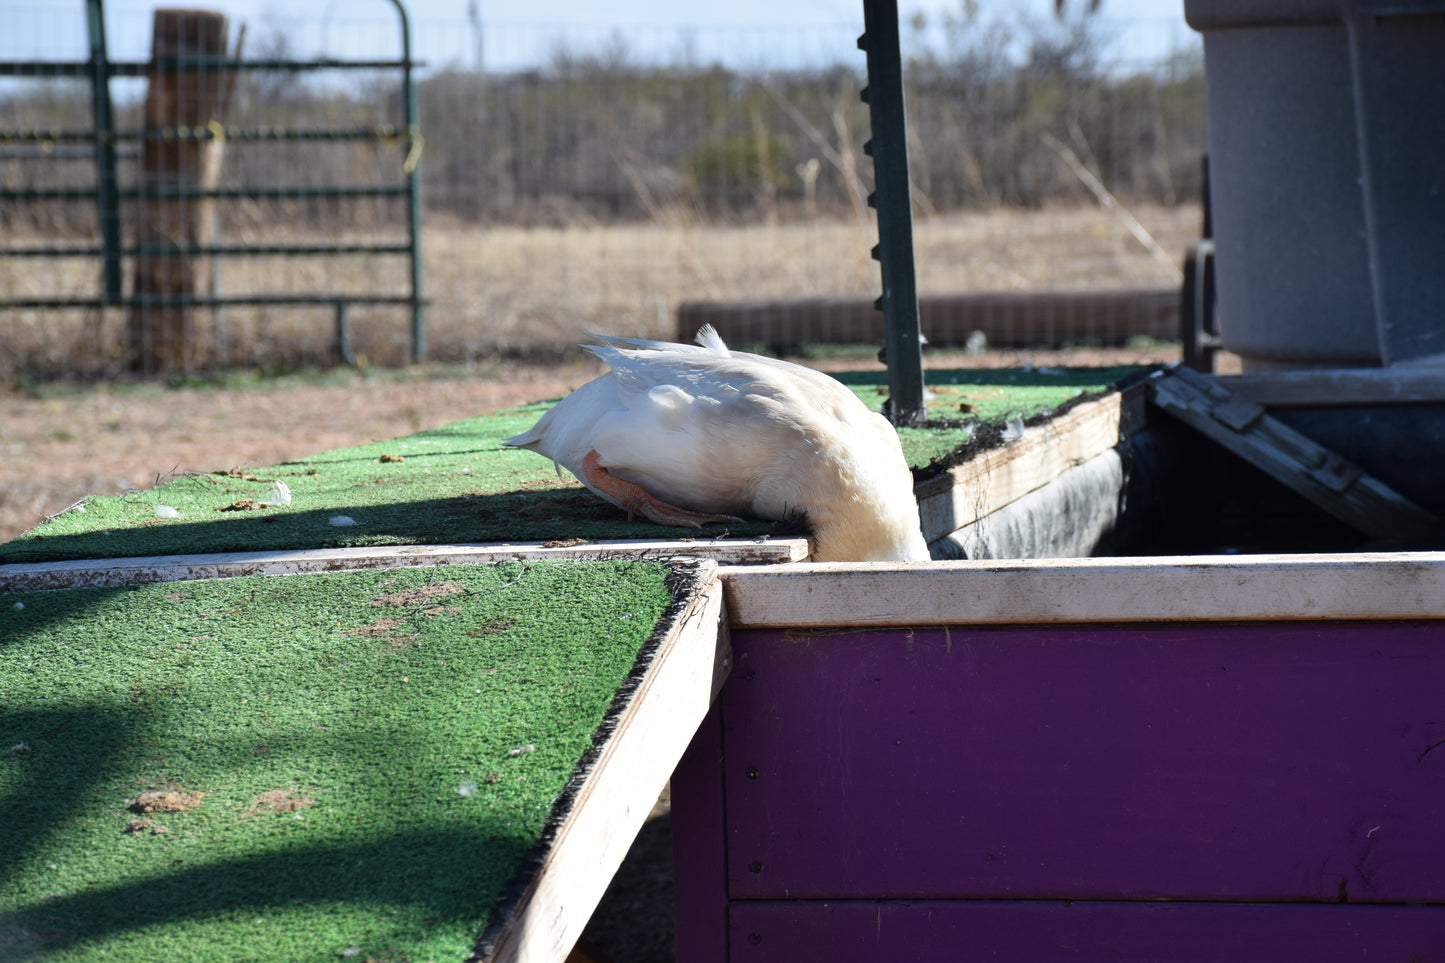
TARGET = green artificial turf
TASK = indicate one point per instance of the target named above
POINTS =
(982, 396)
(456, 484)
(373, 755)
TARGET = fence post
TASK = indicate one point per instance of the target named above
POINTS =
(160, 328)
(106, 198)
(893, 199)
(411, 167)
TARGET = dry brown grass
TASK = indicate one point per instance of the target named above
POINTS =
(516, 285)
(493, 289)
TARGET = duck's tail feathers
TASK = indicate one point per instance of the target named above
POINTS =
(526, 439)
(707, 338)
(529, 439)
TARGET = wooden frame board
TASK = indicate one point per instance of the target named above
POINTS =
(1385, 585)
(28, 576)
(610, 800)
(997, 477)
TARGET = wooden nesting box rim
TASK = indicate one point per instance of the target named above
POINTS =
(603, 808)
(32, 576)
(1393, 585)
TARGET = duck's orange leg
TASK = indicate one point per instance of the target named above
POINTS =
(637, 501)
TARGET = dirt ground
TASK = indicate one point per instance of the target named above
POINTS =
(60, 448)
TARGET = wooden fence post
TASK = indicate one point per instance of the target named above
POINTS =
(163, 337)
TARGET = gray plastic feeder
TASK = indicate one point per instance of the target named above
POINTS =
(1327, 163)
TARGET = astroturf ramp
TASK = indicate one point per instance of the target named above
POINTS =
(363, 765)
(456, 484)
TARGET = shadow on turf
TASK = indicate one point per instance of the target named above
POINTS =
(51, 758)
(433, 875)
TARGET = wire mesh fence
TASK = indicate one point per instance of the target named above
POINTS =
(579, 179)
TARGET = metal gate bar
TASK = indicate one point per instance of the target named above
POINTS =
(108, 196)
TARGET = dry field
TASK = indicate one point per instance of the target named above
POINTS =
(492, 290)
(496, 290)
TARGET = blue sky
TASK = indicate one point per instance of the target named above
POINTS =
(744, 31)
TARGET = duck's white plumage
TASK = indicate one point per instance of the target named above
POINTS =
(718, 431)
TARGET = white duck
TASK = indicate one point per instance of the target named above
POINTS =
(692, 435)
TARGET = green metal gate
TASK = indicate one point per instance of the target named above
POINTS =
(111, 251)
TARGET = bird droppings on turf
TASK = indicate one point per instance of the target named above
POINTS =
(240, 505)
(279, 801)
(489, 627)
(546, 485)
(423, 593)
(242, 475)
(373, 629)
(166, 801)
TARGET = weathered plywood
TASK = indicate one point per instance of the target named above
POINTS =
(615, 796)
(1384, 585)
(27, 576)
(935, 931)
(1068, 518)
(995, 478)
(1257, 762)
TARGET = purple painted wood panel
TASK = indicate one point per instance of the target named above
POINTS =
(699, 841)
(1045, 932)
(1287, 761)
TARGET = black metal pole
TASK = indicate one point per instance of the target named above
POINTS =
(903, 349)
(107, 198)
(411, 167)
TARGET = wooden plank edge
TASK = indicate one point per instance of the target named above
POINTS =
(608, 808)
(1067, 518)
(1339, 387)
(1105, 410)
(1386, 585)
(33, 576)
(998, 477)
